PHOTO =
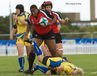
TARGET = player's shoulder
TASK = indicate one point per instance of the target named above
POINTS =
(26, 14)
(47, 14)
(55, 12)
(45, 11)
(30, 16)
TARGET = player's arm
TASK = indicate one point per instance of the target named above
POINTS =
(62, 20)
(59, 25)
(28, 27)
(27, 30)
(48, 15)
(60, 69)
(12, 32)
(53, 21)
(52, 17)
(22, 21)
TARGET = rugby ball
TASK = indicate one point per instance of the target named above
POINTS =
(43, 21)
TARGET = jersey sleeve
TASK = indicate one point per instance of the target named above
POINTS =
(47, 14)
(58, 16)
(26, 16)
(28, 19)
(58, 23)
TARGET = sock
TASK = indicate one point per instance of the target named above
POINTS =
(37, 49)
(31, 59)
(42, 69)
(21, 62)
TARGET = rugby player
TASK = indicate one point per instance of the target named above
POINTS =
(40, 32)
(56, 65)
(21, 30)
(47, 5)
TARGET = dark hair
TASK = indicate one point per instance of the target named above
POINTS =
(33, 7)
(43, 5)
(20, 7)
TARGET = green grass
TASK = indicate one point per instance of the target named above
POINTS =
(9, 65)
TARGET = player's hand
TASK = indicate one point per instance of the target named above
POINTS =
(60, 69)
(15, 16)
(25, 36)
(28, 40)
(66, 19)
(11, 38)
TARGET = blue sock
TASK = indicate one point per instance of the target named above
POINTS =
(21, 62)
(42, 69)
(37, 49)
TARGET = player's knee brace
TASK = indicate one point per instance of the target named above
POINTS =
(59, 51)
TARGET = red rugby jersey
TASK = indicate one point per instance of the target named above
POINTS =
(54, 26)
(37, 27)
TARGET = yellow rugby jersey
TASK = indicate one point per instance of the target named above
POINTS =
(21, 28)
(68, 68)
(42, 44)
(55, 62)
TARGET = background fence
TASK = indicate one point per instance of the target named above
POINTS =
(70, 46)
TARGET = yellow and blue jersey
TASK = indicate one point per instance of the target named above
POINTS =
(68, 68)
(20, 39)
(21, 29)
(55, 62)
(43, 43)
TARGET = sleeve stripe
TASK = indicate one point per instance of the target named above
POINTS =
(59, 18)
(45, 14)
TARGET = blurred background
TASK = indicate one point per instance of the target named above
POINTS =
(79, 35)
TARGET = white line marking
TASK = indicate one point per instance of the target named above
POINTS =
(93, 72)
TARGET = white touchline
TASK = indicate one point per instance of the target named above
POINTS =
(93, 72)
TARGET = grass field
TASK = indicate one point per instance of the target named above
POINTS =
(9, 65)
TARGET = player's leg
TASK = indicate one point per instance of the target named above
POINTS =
(43, 69)
(28, 45)
(31, 57)
(50, 42)
(43, 60)
(52, 46)
(45, 50)
(28, 50)
(59, 47)
(38, 52)
(21, 59)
